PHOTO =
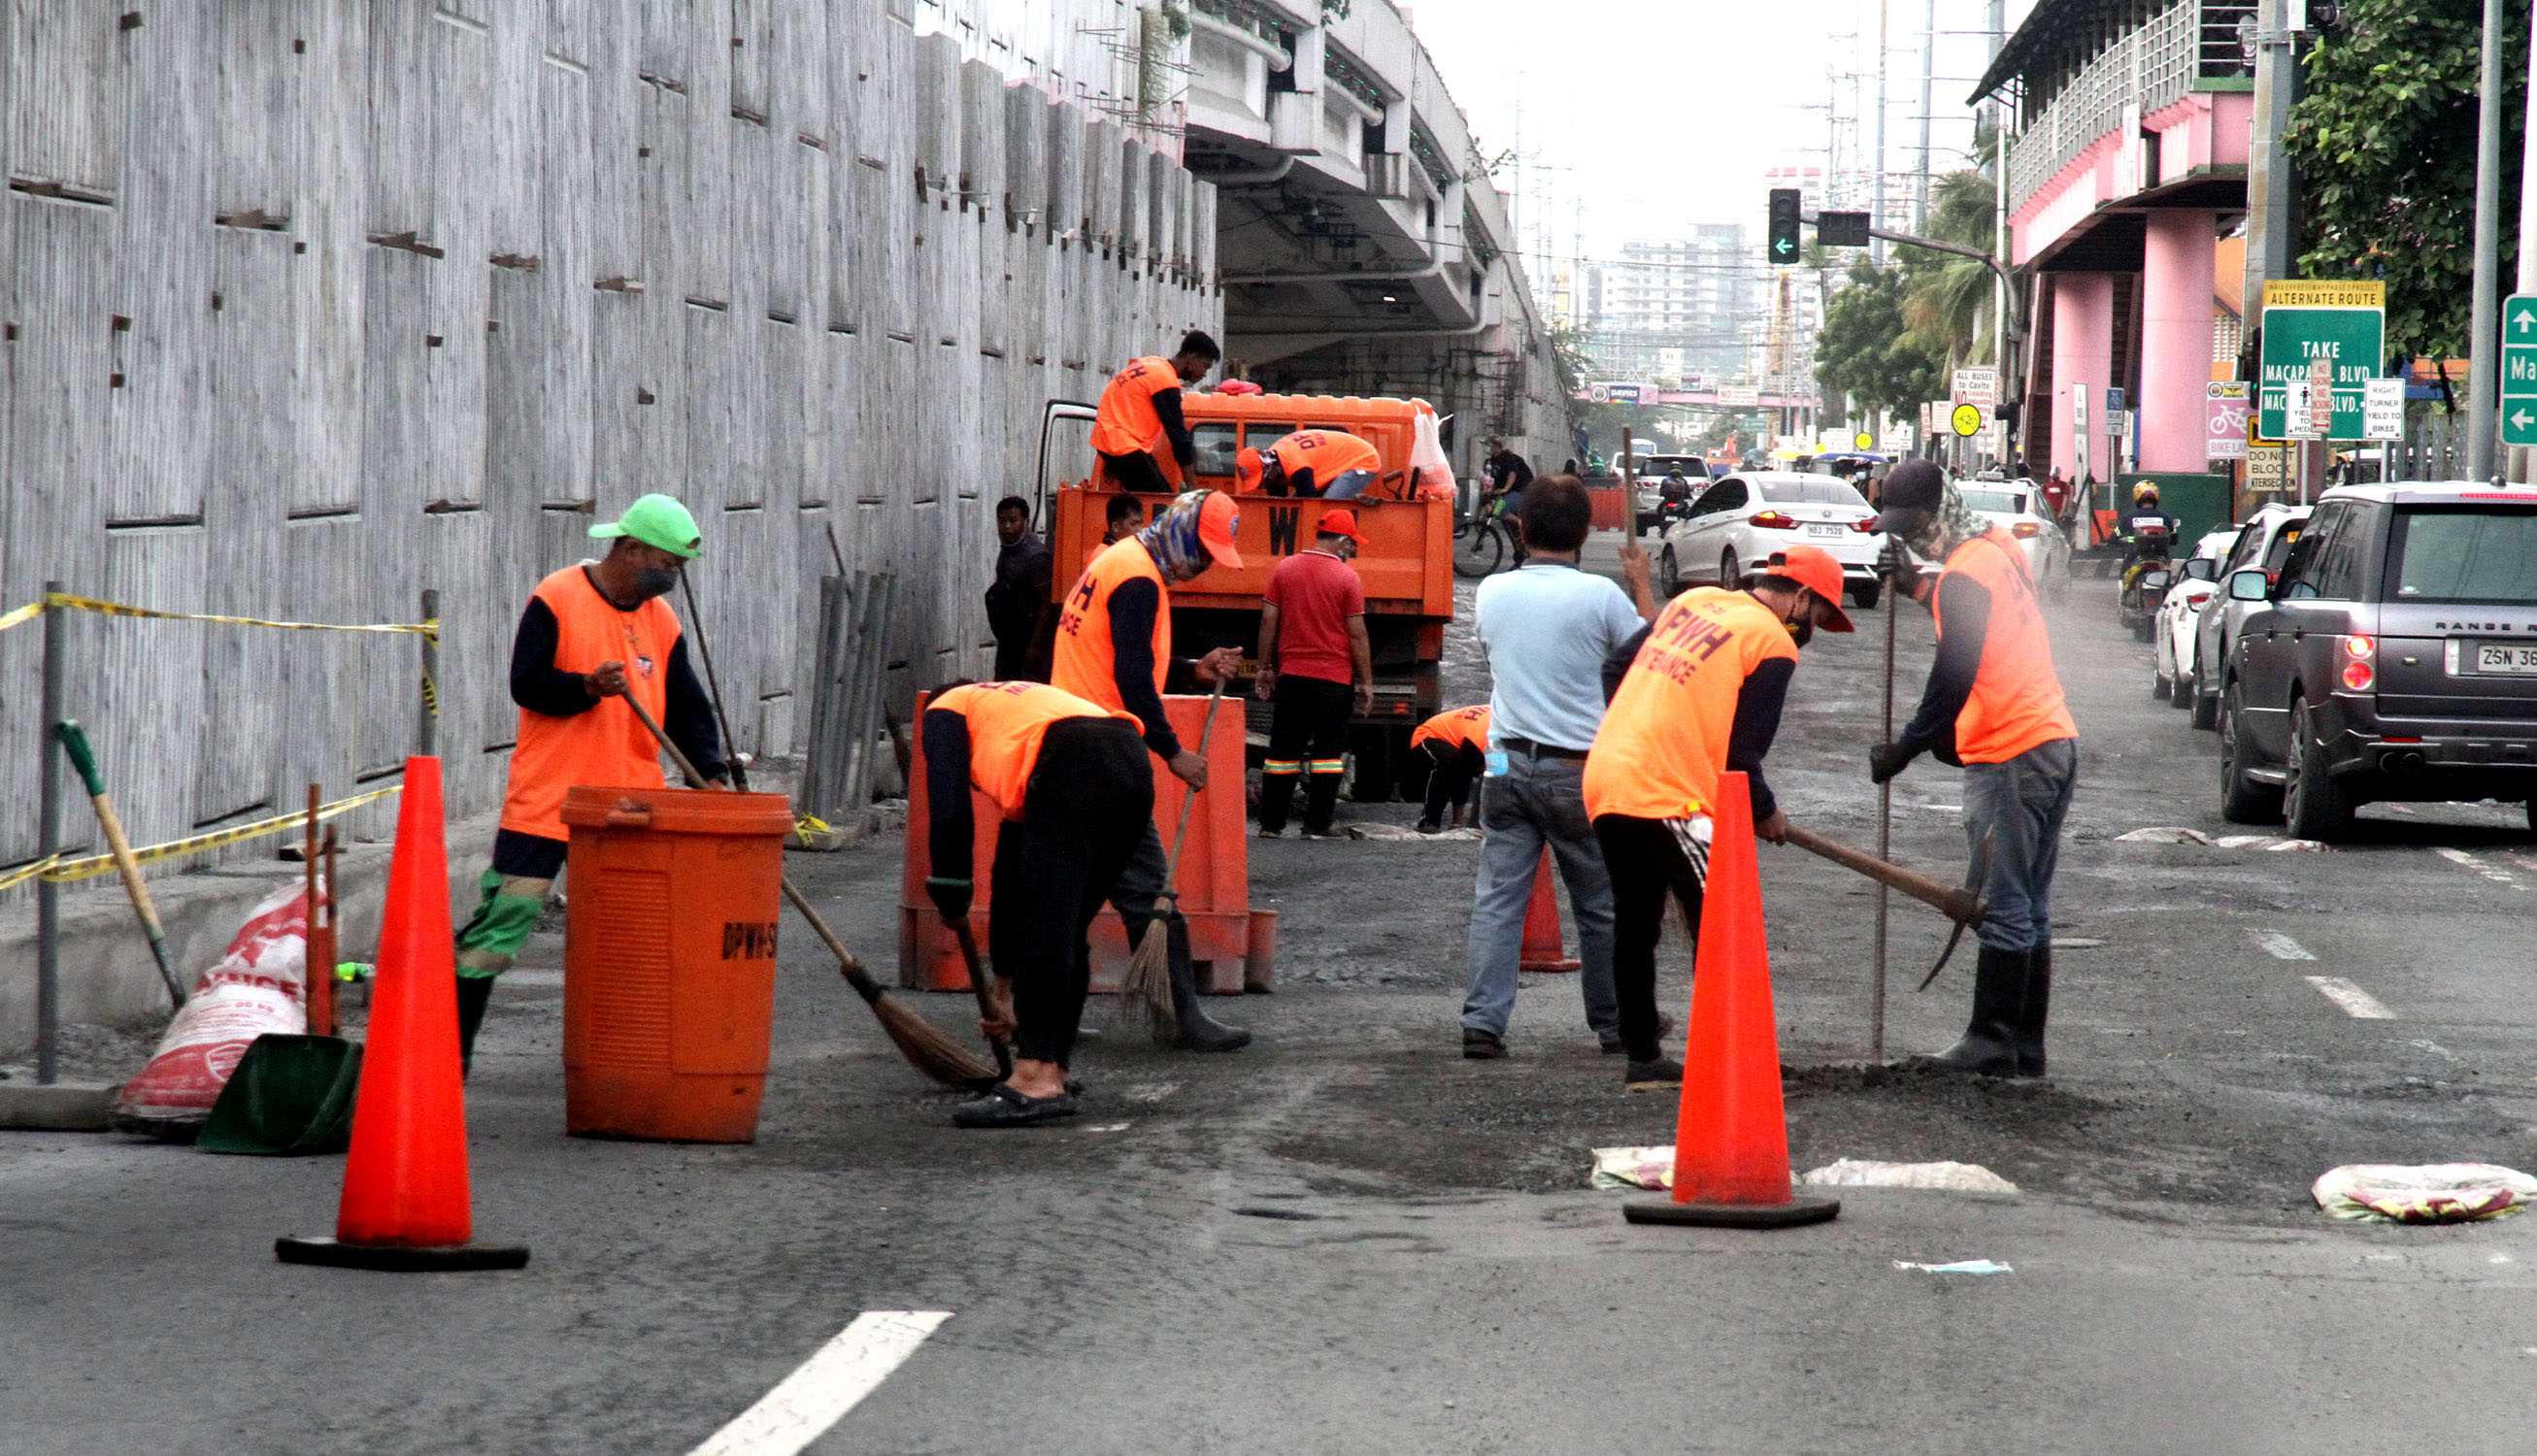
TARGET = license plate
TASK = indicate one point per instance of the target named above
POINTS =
(1823, 530)
(2511, 658)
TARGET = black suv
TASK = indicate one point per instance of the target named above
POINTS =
(2396, 659)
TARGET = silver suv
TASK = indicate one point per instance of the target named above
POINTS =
(2394, 659)
(2264, 542)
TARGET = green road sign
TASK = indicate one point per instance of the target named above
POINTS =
(2520, 370)
(2343, 323)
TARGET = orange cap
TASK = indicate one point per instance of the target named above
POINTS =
(1217, 518)
(1340, 522)
(1247, 469)
(1814, 568)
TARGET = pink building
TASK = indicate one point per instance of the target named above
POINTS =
(2127, 158)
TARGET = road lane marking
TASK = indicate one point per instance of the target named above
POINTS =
(2281, 947)
(805, 1404)
(2463, 858)
(2355, 1001)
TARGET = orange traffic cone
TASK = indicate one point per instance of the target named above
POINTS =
(1542, 949)
(1730, 1147)
(405, 1201)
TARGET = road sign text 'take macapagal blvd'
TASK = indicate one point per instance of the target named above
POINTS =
(2305, 320)
(2520, 370)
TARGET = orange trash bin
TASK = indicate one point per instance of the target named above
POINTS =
(668, 985)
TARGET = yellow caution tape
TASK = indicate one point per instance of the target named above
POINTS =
(14, 617)
(67, 870)
(429, 629)
(12, 879)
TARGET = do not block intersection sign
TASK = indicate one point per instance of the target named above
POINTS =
(2520, 370)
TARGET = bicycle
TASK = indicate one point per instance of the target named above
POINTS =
(1485, 542)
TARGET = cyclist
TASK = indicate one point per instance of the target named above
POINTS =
(1509, 474)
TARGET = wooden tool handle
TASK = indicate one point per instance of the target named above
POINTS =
(1957, 904)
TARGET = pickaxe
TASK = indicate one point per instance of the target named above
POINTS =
(1964, 905)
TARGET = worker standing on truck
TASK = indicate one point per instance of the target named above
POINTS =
(1697, 694)
(1457, 744)
(1076, 791)
(592, 636)
(1994, 705)
(1317, 668)
(1114, 650)
(1143, 442)
(1309, 463)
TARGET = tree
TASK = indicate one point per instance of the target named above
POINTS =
(2384, 139)
(1946, 299)
(1868, 352)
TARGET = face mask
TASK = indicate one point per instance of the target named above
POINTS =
(654, 581)
(1801, 627)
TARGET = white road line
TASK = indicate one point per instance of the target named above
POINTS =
(2281, 947)
(2355, 1001)
(805, 1404)
(2470, 861)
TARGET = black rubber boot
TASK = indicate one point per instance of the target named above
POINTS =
(1988, 1046)
(473, 993)
(1199, 1031)
(2030, 1021)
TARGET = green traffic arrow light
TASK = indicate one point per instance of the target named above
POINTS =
(1783, 247)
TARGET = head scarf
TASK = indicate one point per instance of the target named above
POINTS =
(1172, 538)
(1951, 524)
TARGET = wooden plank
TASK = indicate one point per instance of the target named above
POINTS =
(568, 264)
(67, 93)
(257, 130)
(160, 276)
(400, 174)
(330, 254)
(457, 296)
(143, 679)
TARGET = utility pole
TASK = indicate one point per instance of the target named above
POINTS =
(2523, 463)
(1876, 164)
(2484, 341)
(1928, 78)
(2271, 233)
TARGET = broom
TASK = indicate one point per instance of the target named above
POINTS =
(1149, 970)
(928, 1051)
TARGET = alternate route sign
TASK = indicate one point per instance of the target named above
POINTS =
(2520, 370)
(2345, 324)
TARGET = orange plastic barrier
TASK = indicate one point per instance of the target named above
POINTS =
(669, 989)
(1543, 950)
(1730, 1142)
(1613, 508)
(1214, 875)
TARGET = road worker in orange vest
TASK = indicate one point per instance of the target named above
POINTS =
(1697, 694)
(1457, 744)
(592, 636)
(1310, 463)
(1143, 443)
(1076, 791)
(1993, 704)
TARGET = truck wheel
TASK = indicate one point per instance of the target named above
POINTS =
(2315, 804)
(2242, 801)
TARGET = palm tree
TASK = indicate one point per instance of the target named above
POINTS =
(1947, 302)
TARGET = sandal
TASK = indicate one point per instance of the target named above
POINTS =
(1002, 1107)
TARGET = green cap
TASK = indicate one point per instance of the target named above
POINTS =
(656, 520)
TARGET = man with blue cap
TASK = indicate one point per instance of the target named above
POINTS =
(593, 635)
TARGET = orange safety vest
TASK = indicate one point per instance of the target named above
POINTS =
(604, 746)
(1086, 662)
(2016, 702)
(1328, 454)
(1664, 740)
(1007, 723)
(1460, 728)
(1127, 423)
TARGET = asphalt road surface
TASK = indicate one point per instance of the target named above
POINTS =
(1349, 1239)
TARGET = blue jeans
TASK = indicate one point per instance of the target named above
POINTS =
(1537, 801)
(2020, 805)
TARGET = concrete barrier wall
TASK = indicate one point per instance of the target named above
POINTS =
(310, 306)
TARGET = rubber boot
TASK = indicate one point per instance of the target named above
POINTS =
(473, 993)
(1988, 1046)
(2030, 1021)
(1199, 1031)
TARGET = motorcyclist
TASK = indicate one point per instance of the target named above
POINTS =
(2147, 531)
(1673, 495)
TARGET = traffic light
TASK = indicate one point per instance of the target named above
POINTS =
(1784, 243)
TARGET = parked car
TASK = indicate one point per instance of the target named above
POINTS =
(2017, 507)
(2394, 657)
(2264, 542)
(2197, 584)
(1735, 525)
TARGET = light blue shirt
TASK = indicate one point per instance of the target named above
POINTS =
(1547, 628)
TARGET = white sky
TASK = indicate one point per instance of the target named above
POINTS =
(1650, 114)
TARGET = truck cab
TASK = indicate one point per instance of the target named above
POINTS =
(1406, 559)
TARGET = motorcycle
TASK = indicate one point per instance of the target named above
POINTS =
(2148, 573)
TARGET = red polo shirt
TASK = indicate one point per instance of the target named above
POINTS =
(1315, 594)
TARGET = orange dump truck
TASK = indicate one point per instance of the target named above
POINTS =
(1405, 560)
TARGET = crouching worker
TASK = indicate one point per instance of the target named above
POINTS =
(1076, 791)
(593, 635)
(1457, 744)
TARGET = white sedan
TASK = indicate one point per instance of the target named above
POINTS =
(2179, 616)
(1737, 524)
(2017, 507)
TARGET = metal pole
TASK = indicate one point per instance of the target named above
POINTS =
(1876, 164)
(1894, 597)
(2523, 461)
(1928, 78)
(2483, 338)
(48, 894)
(428, 739)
